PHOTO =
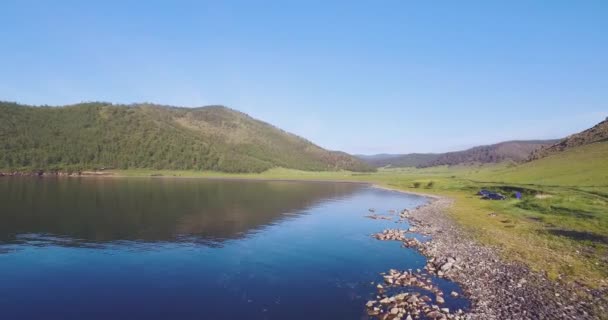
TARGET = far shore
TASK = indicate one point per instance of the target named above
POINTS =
(212, 175)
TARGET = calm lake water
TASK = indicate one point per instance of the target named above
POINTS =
(162, 248)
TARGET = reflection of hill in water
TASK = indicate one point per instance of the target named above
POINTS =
(104, 210)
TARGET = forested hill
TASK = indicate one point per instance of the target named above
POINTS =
(96, 135)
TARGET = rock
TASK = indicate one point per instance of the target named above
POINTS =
(447, 266)
(440, 299)
(394, 310)
(400, 297)
(454, 294)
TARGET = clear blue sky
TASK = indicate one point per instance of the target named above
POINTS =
(358, 76)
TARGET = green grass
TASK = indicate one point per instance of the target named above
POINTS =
(586, 166)
(559, 227)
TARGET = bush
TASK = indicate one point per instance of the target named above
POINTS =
(430, 184)
(416, 185)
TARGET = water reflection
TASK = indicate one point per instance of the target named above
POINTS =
(131, 249)
(77, 212)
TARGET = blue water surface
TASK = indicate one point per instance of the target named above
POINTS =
(313, 262)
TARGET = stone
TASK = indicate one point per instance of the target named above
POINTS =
(447, 266)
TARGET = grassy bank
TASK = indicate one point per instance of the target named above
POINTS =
(562, 230)
(560, 226)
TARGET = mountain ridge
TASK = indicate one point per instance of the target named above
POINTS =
(398, 160)
(513, 150)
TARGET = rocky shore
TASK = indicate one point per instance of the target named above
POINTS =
(497, 289)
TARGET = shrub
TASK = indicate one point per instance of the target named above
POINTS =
(430, 184)
(416, 184)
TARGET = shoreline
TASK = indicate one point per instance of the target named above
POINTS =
(420, 194)
(91, 174)
(496, 289)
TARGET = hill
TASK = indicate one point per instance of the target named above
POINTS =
(597, 133)
(398, 160)
(583, 166)
(516, 151)
(95, 135)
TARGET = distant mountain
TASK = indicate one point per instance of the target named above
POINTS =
(95, 135)
(398, 160)
(505, 151)
(598, 133)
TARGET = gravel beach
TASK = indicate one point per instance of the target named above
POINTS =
(497, 289)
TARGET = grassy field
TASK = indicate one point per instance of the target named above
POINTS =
(560, 226)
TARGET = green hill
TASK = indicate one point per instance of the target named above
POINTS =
(96, 135)
(597, 133)
(585, 165)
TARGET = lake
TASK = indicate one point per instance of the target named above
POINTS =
(158, 248)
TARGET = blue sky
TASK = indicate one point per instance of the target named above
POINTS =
(359, 76)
